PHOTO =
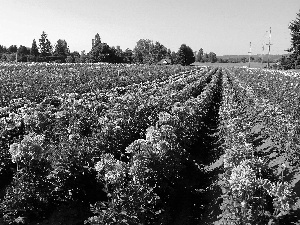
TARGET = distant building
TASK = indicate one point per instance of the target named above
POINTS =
(165, 61)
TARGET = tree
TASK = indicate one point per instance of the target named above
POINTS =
(75, 56)
(97, 40)
(22, 50)
(128, 56)
(148, 53)
(61, 49)
(243, 59)
(83, 57)
(117, 54)
(23, 53)
(169, 54)
(205, 57)
(12, 49)
(159, 52)
(285, 63)
(185, 55)
(174, 57)
(143, 51)
(295, 40)
(34, 51)
(3, 49)
(101, 53)
(45, 45)
(212, 57)
(199, 56)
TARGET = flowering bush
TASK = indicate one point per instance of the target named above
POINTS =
(248, 184)
(29, 149)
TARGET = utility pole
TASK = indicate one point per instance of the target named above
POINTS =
(269, 48)
(250, 54)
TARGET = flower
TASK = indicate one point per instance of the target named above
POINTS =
(15, 151)
(29, 148)
(113, 169)
(242, 177)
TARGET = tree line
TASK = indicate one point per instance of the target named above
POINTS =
(145, 52)
(292, 61)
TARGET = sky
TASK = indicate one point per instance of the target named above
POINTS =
(225, 27)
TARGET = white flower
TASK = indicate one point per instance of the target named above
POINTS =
(243, 204)
(242, 177)
(14, 150)
(29, 148)
(74, 137)
(164, 117)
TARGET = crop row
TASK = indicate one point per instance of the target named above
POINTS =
(279, 87)
(36, 81)
(49, 148)
(257, 187)
(142, 195)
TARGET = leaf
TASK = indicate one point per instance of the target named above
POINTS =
(257, 128)
(266, 146)
(273, 155)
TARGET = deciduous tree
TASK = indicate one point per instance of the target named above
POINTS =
(212, 57)
(12, 49)
(185, 55)
(128, 56)
(199, 57)
(22, 50)
(101, 53)
(83, 57)
(148, 53)
(159, 52)
(61, 49)
(3, 49)
(174, 57)
(142, 51)
(295, 40)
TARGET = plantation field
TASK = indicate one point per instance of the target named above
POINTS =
(137, 144)
(226, 65)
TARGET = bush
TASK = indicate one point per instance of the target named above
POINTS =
(69, 59)
(29, 195)
(31, 58)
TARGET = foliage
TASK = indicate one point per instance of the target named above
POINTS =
(34, 51)
(101, 52)
(101, 134)
(148, 53)
(294, 27)
(12, 49)
(252, 193)
(45, 45)
(185, 55)
(199, 56)
(22, 50)
(3, 49)
(61, 49)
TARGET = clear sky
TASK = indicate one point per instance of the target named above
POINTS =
(221, 26)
